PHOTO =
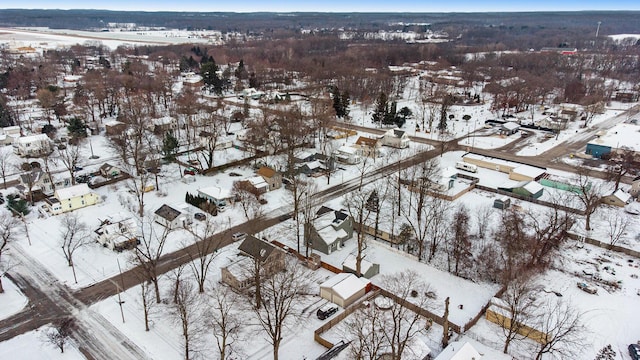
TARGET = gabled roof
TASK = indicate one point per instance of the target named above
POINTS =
(167, 212)
(73, 191)
(32, 176)
(365, 141)
(256, 248)
(533, 187)
(345, 285)
(622, 195)
(267, 172)
(511, 125)
(398, 133)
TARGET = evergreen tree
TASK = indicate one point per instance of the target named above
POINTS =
(6, 117)
(17, 205)
(345, 100)
(77, 128)
(381, 109)
(606, 353)
(210, 78)
(169, 146)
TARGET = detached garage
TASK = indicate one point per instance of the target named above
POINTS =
(344, 289)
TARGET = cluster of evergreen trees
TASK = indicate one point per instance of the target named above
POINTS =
(340, 102)
(201, 203)
(386, 113)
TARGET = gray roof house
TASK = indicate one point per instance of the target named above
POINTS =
(239, 274)
(329, 230)
(168, 217)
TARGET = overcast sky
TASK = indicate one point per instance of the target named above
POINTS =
(329, 5)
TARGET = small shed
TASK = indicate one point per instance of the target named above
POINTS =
(168, 217)
(367, 268)
(619, 198)
(502, 203)
(526, 172)
(343, 289)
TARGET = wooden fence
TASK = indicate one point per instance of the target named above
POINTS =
(604, 245)
(530, 199)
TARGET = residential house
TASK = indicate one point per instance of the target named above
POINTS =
(216, 195)
(114, 128)
(163, 125)
(9, 134)
(169, 217)
(109, 171)
(192, 80)
(347, 155)
(313, 168)
(272, 177)
(344, 289)
(72, 198)
(368, 146)
(258, 184)
(255, 252)
(117, 233)
(619, 198)
(396, 138)
(367, 268)
(32, 146)
(329, 230)
(305, 156)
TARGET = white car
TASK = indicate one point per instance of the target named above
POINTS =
(239, 236)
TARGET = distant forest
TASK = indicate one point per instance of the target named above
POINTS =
(513, 30)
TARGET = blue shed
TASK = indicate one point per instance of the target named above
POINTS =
(597, 150)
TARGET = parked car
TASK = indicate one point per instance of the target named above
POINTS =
(587, 288)
(200, 216)
(239, 236)
(326, 311)
(634, 351)
(189, 171)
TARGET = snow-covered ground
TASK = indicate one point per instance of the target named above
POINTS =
(13, 301)
(33, 345)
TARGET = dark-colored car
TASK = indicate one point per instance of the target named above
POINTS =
(326, 312)
(200, 216)
(634, 351)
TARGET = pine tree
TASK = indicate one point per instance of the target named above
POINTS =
(606, 353)
(210, 78)
(169, 146)
(381, 109)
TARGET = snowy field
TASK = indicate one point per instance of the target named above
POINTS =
(13, 301)
(33, 345)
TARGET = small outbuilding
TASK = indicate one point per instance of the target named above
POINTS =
(619, 198)
(168, 217)
(509, 128)
(344, 289)
(367, 268)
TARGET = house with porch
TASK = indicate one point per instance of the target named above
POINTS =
(396, 138)
(253, 253)
(32, 146)
(71, 198)
(272, 177)
(348, 155)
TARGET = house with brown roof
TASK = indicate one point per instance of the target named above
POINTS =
(368, 146)
(255, 253)
(272, 177)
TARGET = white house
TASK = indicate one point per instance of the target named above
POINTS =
(72, 198)
(396, 138)
(216, 195)
(9, 134)
(32, 146)
(117, 233)
(348, 155)
(169, 217)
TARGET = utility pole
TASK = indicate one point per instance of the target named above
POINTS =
(598, 29)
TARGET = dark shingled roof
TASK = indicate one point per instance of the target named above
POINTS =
(167, 212)
(256, 248)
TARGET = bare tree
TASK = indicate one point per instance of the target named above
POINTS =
(364, 325)
(617, 224)
(59, 334)
(148, 253)
(206, 249)
(148, 302)
(483, 215)
(187, 310)
(247, 197)
(70, 157)
(548, 230)
(459, 249)
(588, 193)
(565, 331)
(5, 164)
(402, 325)
(518, 305)
(356, 204)
(224, 321)
(75, 234)
(623, 162)
(279, 293)
(8, 228)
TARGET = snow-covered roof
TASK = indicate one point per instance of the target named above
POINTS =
(347, 150)
(457, 352)
(73, 191)
(511, 125)
(622, 195)
(448, 172)
(530, 171)
(350, 262)
(624, 134)
(345, 285)
(533, 187)
(32, 138)
(258, 182)
(215, 192)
